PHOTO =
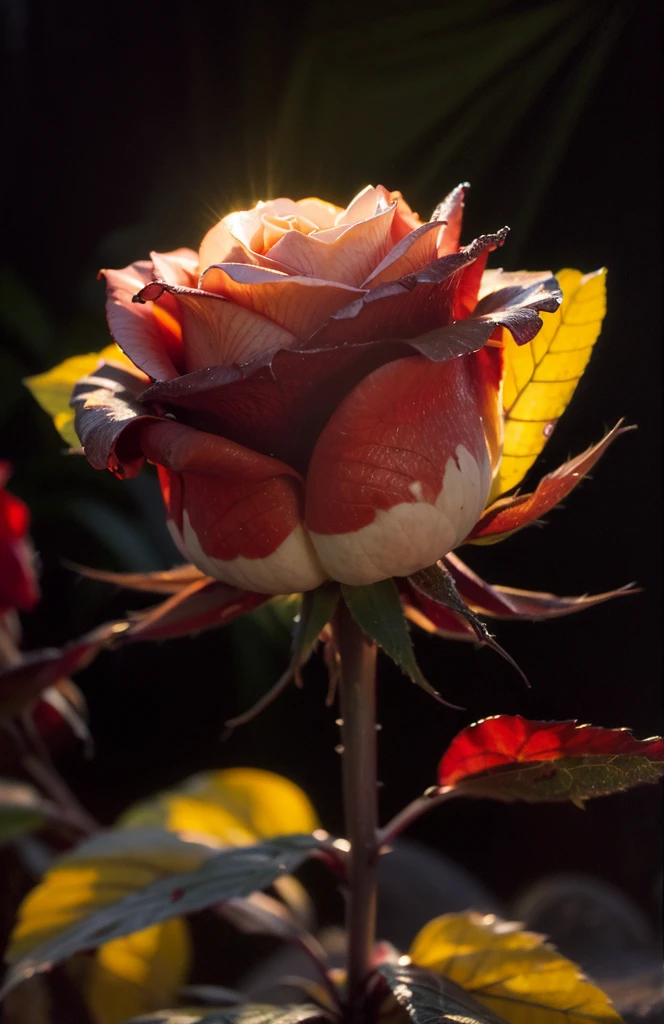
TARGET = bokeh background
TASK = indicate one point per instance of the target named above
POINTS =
(133, 127)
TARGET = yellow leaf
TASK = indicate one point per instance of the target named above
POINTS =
(52, 389)
(512, 972)
(236, 807)
(100, 871)
(540, 377)
(139, 973)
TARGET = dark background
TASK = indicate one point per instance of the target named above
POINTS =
(132, 127)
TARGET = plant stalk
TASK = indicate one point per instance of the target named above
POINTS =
(357, 690)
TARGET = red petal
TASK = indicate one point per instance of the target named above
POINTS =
(238, 514)
(398, 470)
(509, 514)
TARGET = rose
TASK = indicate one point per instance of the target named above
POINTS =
(315, 387)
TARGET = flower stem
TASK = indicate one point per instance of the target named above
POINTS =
(357, 689)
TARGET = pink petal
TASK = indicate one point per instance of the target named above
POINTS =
(298, 304)
(451, 211)
(152, 343)
(414, 252)
(217, 331)
(346, 257)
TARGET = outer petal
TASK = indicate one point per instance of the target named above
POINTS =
(216, 331)
(236, 514)
(400, 472)
(407, 307)
(152, 342)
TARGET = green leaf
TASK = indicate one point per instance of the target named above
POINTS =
(428, 997)
(317, 610)
(233, 872)
(377, 610)
(248, 1013)
(22, 809)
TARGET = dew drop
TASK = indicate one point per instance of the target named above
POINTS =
(339, 749)
(549, 428)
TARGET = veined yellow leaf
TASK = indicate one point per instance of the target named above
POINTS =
(512, 972)
(101, 871)
(140, 972)
(236, 807)
(540, 377)
(52, 389)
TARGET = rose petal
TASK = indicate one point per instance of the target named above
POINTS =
(298, 304)
(107, 410)
(451, 211)
(153, 343)
(405, 308)
(414, 252)
(236, 513)
(347, 257)
(219, 332)
(399, 472)
(323, 214)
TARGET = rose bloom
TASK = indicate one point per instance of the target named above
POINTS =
(320, 389)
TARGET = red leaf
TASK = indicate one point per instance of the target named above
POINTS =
(509, 514)
(509, 758)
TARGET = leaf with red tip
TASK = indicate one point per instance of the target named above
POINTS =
(164, 581)
(507, 515)
(511, 603)
(507, 757)
(201, 605)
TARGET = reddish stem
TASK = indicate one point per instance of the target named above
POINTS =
(357, 690)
